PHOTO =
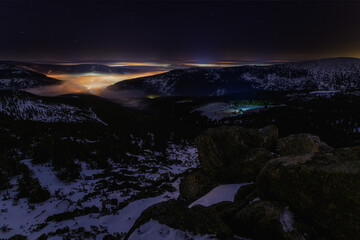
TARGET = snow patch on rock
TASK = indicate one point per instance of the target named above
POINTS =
(219, 194)
(287, 220)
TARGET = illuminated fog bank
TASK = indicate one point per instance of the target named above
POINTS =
(93, 83)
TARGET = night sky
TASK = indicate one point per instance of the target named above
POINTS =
(169, 31)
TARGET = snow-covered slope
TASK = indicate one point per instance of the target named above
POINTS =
(325, 74)
(14, 77)
(193, 81)
(100, 202)
(25, 106)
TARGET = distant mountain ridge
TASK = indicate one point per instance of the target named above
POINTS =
(14, 77)
(323, 74)
(49, 69)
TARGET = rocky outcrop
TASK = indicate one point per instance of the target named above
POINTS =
(176, 214)
(265, 220)
(235, 154)
(229, 155)
(246, 193)
(323, 188)
(299, 144)
(268, 137)
(195, 184)
(310, 191)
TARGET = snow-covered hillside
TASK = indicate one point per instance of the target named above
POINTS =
(325, 75)
(14, 77)
(193, 81)
(100, 202)
(24, 106)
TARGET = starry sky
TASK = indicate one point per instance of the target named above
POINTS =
(177, 31)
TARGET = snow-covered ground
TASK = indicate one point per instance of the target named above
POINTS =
(219, 194)
(97, 214)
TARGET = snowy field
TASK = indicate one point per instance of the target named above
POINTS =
(88, 207)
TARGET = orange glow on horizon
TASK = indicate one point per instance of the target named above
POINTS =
(219, 64)
(120, 64)
(86, 83)
(97, 81)
(139, 64)
(179, 64)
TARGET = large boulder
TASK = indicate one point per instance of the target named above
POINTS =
(246, 167)
(323, 188)
(268, 137)
(246, 193)
(265, 220)
(195, 184)
(235, 154)
(176, 214)
(299, 144)
(227, 209)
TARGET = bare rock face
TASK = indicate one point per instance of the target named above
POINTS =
(311, 192)
(246, 193)
(195, 184)
(323, 188)
(299, 144)
(266, 220)
(235, 154)
(176, 214)
(268, 137)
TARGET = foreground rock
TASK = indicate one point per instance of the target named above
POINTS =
(246, 193)
(235, 154)
(323, 188)
(320, 185)
(176, 214)
(299, 144)
(195, 184)
(265, 220)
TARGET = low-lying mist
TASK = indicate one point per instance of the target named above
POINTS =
(94, 83)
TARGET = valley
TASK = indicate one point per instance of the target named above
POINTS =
(76, 165)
